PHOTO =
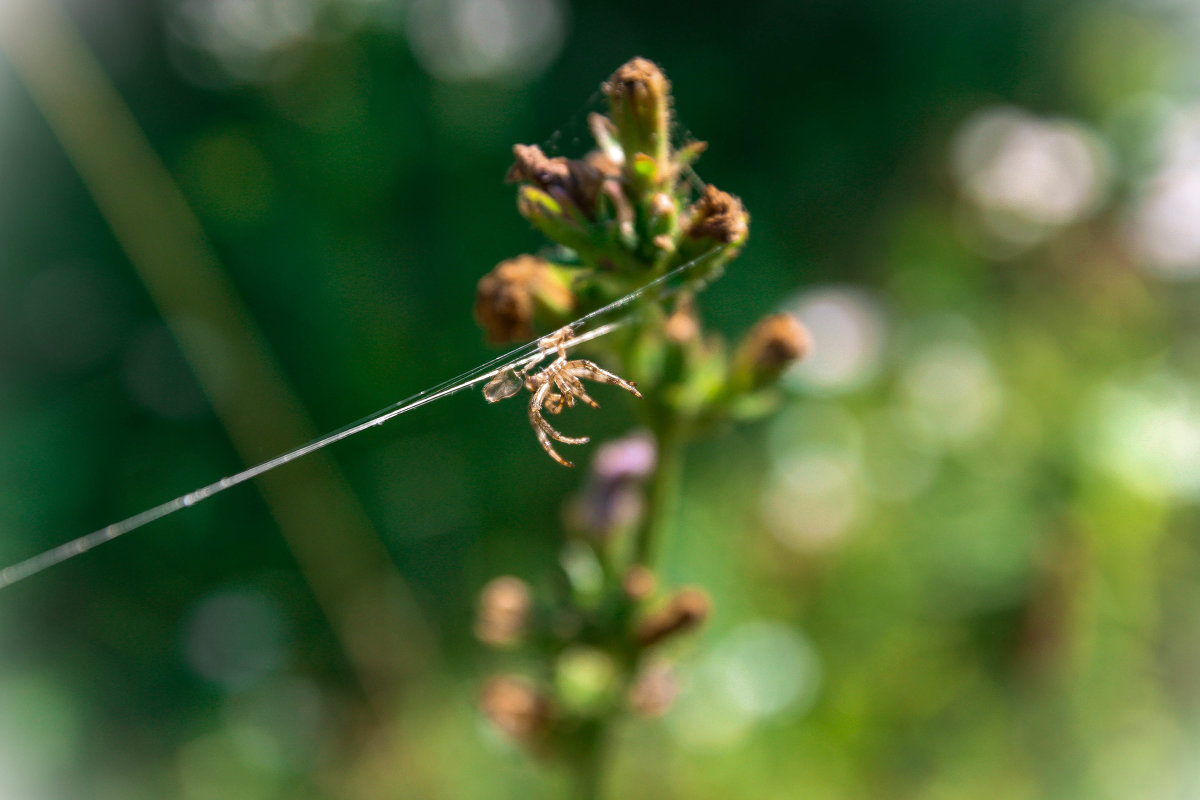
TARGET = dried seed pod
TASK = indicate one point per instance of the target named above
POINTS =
(771, 346)
(717, 218)
(514, 706)
(685, 611)
(566, 180)
(518, 292)
(503, 614)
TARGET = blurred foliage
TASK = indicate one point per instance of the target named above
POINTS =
(962, 561)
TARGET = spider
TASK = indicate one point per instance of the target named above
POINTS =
(554, 387)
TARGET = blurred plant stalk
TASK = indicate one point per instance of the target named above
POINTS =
(626, 213)
(365, 599)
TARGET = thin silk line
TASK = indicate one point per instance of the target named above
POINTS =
(512, 360)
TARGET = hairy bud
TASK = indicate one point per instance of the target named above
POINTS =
(718, 217)
(503, 613)
(517, 292)
(639, 99)
(773, 345)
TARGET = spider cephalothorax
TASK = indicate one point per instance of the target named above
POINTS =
(554, 387)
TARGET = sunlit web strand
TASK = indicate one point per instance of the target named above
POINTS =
(588, 327)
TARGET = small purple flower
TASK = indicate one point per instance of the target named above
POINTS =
(631, 458)
(612, 497)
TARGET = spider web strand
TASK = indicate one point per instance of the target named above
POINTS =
(669, 284)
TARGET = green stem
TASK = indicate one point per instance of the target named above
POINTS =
(587, 761)
(662, 491)
(586, 756)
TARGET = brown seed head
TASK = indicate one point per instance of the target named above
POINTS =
(534, 166)
(507, 298)
(776, 342)
(515, 707)
(639, 82)
(686, 610)
(719, 216)
(503, 613)
(563, 179)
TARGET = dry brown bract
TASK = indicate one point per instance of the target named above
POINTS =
(557, 385)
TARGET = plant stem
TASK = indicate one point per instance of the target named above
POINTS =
(587, 760)
(587, 756)
(662, 491)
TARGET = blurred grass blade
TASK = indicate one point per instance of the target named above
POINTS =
(324, 525)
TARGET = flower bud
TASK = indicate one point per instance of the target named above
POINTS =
(654, 690)
(682, 327)
(773, 345)
(662, 221)
(516, 708)
(685, 611)
(608, 157)
(584, 571)
(631, 458)
(518, 292)
(570, 182)
(717, 218)
(639, 583)
(503, 614)
(557, 217)
(612, 498)
(586, 679)
(639, 98)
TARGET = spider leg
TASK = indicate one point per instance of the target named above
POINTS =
(589, 370)
(554, 403)
(549, 448)
(570, 388)
(541, 424)
(574, 385)
(544, 430)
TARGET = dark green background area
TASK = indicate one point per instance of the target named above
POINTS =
(1019, 625)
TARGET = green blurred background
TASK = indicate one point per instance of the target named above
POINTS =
(961, 561)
